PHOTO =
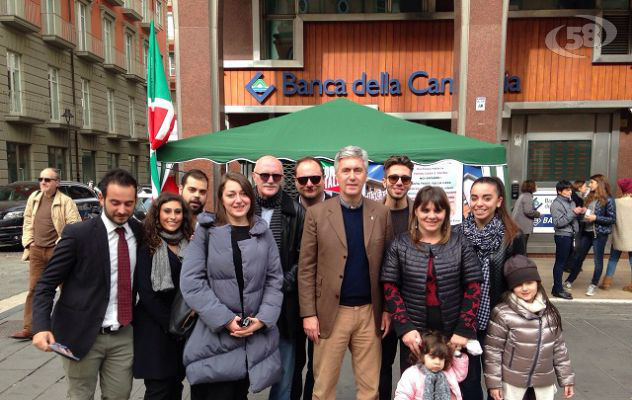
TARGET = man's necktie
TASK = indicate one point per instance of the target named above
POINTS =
(124, 284)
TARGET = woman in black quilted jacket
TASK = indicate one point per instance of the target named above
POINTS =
(431, 277)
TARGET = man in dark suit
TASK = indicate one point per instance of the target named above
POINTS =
(94, 262)
(340, 295)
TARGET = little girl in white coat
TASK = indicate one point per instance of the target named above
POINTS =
(436, 375)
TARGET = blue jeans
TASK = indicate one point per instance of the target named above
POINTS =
(283, 388)
(585, 241)
(614, 259)
(563, 250)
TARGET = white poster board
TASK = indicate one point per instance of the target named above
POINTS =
(542, 200)
(448, 175)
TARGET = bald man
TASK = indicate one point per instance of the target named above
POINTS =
(47, 212)
(284, 216)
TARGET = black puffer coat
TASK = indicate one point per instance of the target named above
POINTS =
(455, 264)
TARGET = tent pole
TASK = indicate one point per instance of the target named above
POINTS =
(216, 65)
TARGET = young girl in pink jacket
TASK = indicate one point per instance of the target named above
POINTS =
(436, 375)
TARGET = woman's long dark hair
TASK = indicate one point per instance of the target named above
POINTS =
(436, 196)
(511, 228)
(603, 191)
(220, 212)
(434, 344)
(152, 225)
(551, 313)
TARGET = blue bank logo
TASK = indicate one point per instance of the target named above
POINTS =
(259, 89)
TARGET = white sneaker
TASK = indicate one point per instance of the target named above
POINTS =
(568, 285)
(591, 290)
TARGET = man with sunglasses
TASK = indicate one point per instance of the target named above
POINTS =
(47, 212)
(309, 182)
(284, 216)
(398, 171)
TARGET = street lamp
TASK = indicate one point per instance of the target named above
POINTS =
(67, 116)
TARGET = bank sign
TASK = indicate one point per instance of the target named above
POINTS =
(419, 83)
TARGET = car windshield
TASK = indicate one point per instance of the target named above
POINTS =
(16, 193)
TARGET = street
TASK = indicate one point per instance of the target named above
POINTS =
(597, 332)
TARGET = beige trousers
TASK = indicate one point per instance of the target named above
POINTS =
(354, 329)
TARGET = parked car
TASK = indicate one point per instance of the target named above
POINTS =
(143, 203)
(13, 199)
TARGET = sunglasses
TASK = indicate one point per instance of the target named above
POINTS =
(266, 177)
(47, 180)
(314, 179)
(392, 179)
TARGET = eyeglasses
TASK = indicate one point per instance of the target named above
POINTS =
(266, 177)
(314, 179)
(47, 180)
(392, 179)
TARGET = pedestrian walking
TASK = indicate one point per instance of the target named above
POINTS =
(597, 223)
(158, 354)
(525, 347)
(524, 211)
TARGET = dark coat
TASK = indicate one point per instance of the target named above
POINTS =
(455, 264)
(81, 263)
(293, 215)
(606, 217)
(209, 286)
(157, 354)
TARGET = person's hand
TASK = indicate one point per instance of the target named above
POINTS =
(497, 394)
(386, 323)
(43, 339)
(457, 341)
(569, 391)
(254, 326)
(312, 328)
(578, 210)
(412, 340)
(233, 326)
(590, 218)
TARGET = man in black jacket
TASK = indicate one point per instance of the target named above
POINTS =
(285, 218)
(94, 262)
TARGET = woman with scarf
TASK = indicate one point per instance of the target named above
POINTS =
(496, 238)
(157, 354)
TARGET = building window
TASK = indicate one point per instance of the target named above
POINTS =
(57, 160)
(170, 26)
(129, 50)
(172, 64)
(159, 12)
(82, 26)
(108, 42)
(88, 165)
(112, 161)
(278, 30)
(133, 166)
(552, 160)
(111, 111)
(144, 7)
(145, 52)
(130, 116)
(551, 4)
(85, 103)
(621, 44)
(53, 93)
(14, 82)
(18, 162)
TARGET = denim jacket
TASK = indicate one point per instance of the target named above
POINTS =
(606, 217)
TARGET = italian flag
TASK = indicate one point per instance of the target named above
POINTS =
(161, 116)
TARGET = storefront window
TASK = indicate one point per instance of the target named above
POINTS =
(552, 160)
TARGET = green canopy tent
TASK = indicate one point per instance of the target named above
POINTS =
(321, 131)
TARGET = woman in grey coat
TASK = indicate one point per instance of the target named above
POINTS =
(232, 278)
(524, 211)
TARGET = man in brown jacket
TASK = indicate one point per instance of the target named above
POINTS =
(339, 268)
(46, 214)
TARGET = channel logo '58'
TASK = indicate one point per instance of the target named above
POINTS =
(596, 34)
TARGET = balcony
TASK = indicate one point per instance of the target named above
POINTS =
(89, 47)
(26, 108)
(133, 9)
(115, 2)
(23, 15)
(148, 17)
(58, 32)
(136, 71)
(114, 61)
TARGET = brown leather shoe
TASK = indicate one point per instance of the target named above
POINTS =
(23, 335)
(605, 283)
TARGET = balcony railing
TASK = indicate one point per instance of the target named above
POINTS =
(114, 61)
(23, 15)
(59, 32)
(136, 70)
(27, 108)
(133, 9)
(89, 47)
